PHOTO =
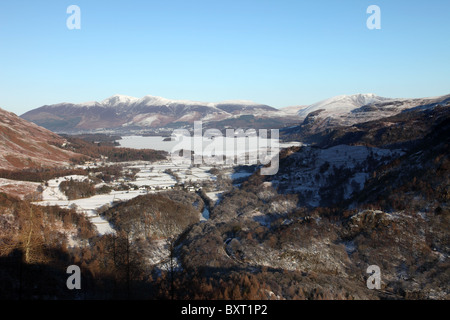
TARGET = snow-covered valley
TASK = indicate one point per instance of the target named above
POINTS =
(151, 178)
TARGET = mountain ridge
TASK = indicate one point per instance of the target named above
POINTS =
(126, 113)
(120, 111)
(345, 111)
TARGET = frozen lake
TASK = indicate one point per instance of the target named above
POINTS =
(206, 146)
(139, 142)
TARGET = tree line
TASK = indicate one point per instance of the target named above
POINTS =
(100, 150)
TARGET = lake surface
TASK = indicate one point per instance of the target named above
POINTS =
(217, 146)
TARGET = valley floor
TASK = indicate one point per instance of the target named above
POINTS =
(151, 178)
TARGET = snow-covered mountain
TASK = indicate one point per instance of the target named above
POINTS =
(347, 110)
(293, 110)
(125, 113)
(121, 111)
(341, 105)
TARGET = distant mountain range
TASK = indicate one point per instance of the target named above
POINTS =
(125, 113)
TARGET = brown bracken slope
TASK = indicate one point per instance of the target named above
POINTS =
(24, 144)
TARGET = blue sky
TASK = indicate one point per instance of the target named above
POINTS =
(281, 53)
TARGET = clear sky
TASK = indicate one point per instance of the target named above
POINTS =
(276, 52)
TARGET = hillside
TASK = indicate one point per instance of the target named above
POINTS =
(342, 161)
(330, 212)
(24, 144)
(344, 111)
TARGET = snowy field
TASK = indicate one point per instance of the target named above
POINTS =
(18, 188)
(150, 175)
(89, 206)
